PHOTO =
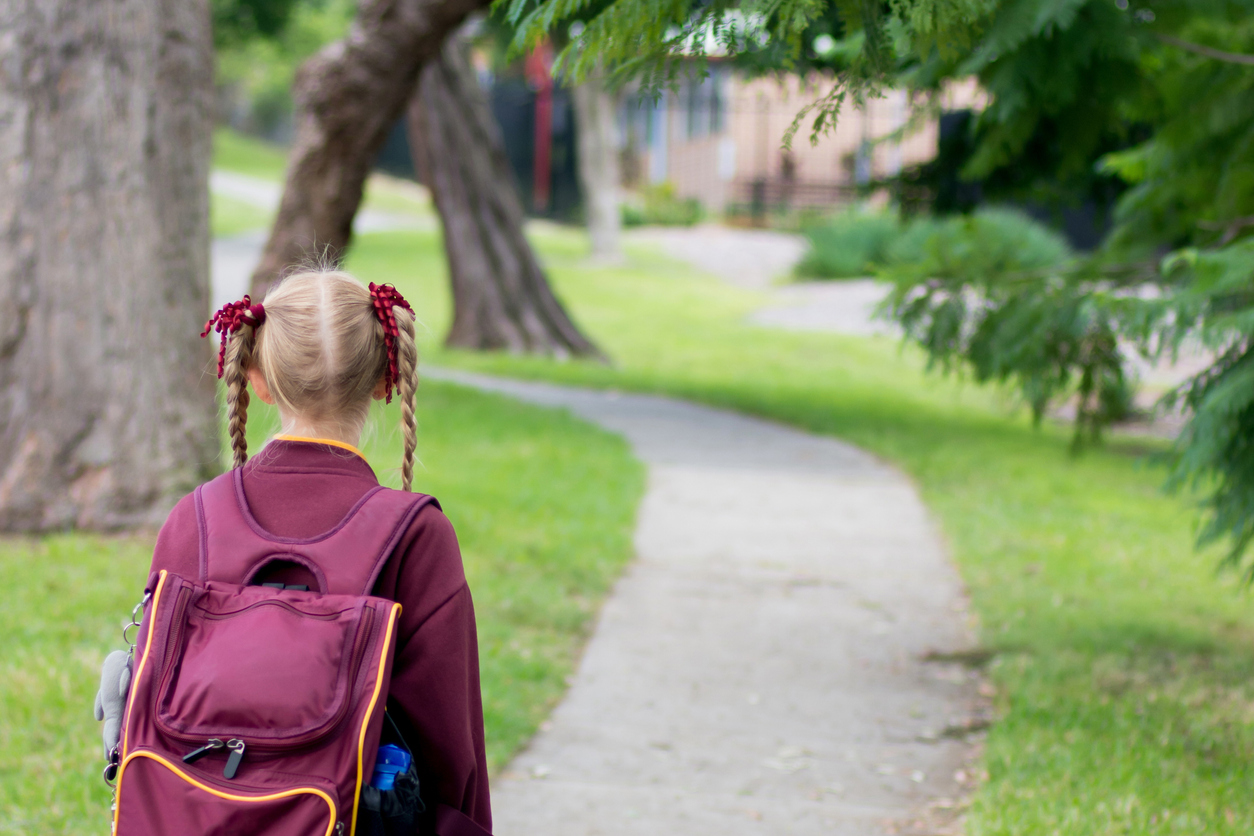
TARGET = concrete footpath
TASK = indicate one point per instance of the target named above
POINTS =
(759, 669)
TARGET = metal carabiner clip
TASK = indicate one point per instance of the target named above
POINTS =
(111, 768)
(137, 616)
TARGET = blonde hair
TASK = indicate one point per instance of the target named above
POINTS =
(321, 350)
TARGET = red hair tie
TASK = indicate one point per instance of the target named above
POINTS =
(230, 318)
(385, 297)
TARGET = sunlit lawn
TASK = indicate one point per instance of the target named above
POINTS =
(228, 216)
(245, 155)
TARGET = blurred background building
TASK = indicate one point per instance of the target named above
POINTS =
(715, 142)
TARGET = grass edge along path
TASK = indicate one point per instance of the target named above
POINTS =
(544, 507)
(1121, 661)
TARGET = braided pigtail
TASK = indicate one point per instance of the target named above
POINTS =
(401, 370)
(236, 324)
(239, 356)
(406, 388)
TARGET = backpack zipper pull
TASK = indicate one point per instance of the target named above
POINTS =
(196, 754)
(237, 754)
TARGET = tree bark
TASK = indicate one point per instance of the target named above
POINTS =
(347, 98)
(501, 299)
(596, 118)
(107, 415)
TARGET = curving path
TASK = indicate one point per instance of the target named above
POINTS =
(763, 259)
(759, 668)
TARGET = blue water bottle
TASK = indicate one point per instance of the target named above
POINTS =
(392, 761)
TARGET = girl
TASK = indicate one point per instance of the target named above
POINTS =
(320, 347)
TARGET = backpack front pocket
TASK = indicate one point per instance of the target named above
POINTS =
(160, 797)
(274, 667)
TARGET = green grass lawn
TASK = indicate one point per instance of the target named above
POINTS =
(228, 216)
(242, 154)
(544, 507)
(1123, 662)
(246, 155)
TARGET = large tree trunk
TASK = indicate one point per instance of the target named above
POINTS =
(596, 118)
(347, 99)
(107, 414)
(501, 299)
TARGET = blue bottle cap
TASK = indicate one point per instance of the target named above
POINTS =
(390, 762)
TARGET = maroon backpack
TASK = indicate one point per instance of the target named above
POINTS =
(256, 708)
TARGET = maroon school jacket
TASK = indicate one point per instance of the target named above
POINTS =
(302, 489)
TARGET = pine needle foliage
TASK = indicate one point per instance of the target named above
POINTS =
(237, 21)
(1159, 96)
(992, 294)
(1215, 453)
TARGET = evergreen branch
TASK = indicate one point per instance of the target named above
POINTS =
(1231, 229)
(1208, 51)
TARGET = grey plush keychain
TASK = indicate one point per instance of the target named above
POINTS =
(115, 681)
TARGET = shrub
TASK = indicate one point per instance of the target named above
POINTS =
(858, 243)
(659, 206)
(849, 245)
(254, 74)
(910, 247)
(992, 239)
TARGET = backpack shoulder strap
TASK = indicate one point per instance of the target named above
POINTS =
(346, 560)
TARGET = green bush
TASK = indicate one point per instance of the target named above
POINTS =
(255, 74)
(659, 206)
(910, 247)
(994, 236)
(858, 243)
(849, 245)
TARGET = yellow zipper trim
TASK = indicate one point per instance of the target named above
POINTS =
(365, 723)
(135, 680)
(344, 445)
(117, 809)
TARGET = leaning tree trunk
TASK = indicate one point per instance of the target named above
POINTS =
(347, 98)
(501, 299)
(106, 413)
(596, 118)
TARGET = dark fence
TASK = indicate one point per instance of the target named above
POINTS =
(778, 193)
(513, 106)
